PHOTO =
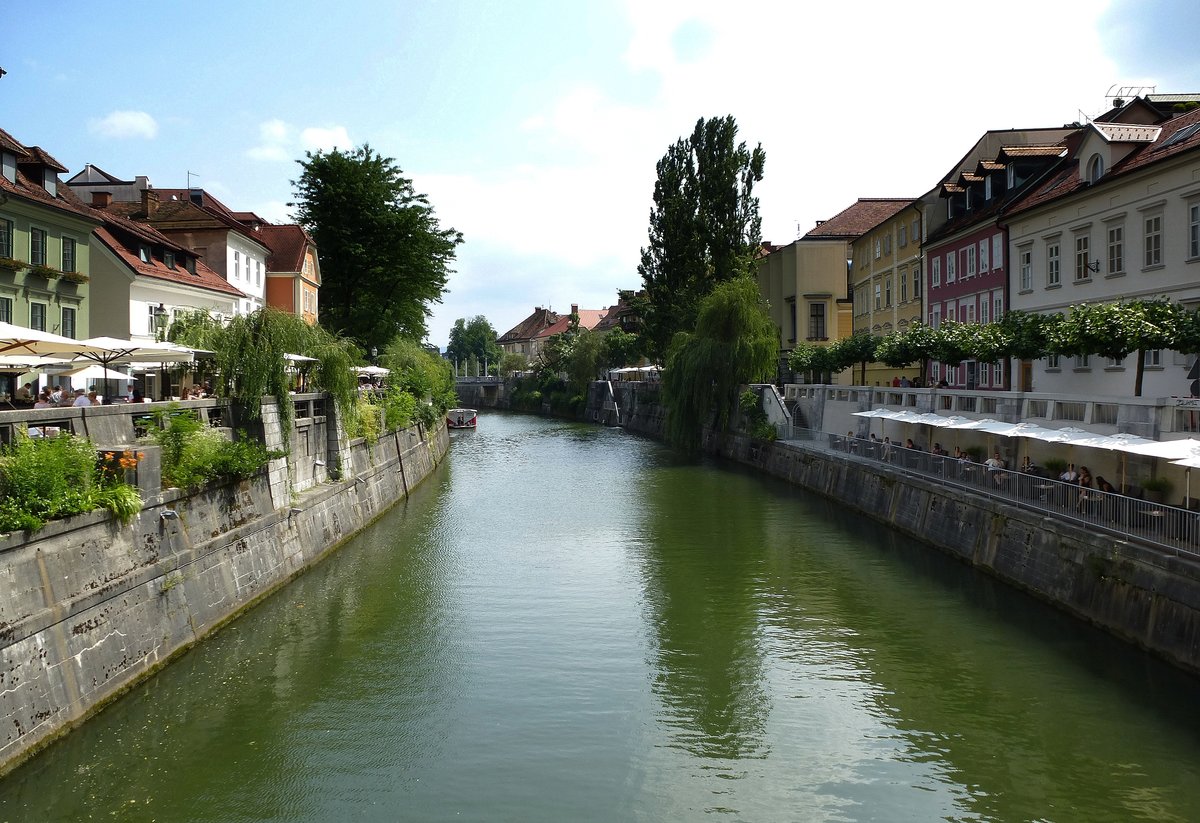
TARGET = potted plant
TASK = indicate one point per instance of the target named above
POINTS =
(74, 277)
(42, 270)
(1054, 466)
(11, 264)
(1156, 488)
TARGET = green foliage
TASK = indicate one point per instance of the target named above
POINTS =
(1116, 329)
(621, 349)
(424, 375)
(1027, 335)
(384, 257)
(585, 361)
(366, 421)
(474, 339)
(196, 329)
(734, 343)
(512, 362)
(704, 226)
(399, 408)
(858, 349)
(953, 342)
(50, 478)
(193, 454)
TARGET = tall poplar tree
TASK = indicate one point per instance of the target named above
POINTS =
(384, 257)
(704, 226)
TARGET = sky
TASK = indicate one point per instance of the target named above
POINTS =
(534, 126)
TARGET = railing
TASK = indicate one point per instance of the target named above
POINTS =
(1172, 527)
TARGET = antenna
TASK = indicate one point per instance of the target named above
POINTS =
(1116, 92)
(190, 175)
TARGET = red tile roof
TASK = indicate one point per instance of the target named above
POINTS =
(859, 219)
(1066, 179)
(528, 328)
(588, 319)
(204, 278)
(33, 190)
(39, 155)
(287, 244)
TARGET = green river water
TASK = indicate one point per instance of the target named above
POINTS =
(567, 623)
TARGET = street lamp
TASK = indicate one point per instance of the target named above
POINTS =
(160, 322)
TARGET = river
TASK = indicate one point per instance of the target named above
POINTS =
(568, 623)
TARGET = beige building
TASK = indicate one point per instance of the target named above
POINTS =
(807, 285)
(885, 272)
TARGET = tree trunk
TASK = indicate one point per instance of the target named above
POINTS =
(1141, 370)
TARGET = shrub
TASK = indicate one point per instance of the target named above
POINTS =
(121, 499)
(399, 407)
(193, 455)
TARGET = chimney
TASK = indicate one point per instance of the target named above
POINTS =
(574, 308)
(149, 202)
(101, 199)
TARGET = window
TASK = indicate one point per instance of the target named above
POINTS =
(936, 273)
(998, 251)
(37, 247)
(144, 253)
(37, 316)
(877, 248)
(887, 243)
(916, 230)
(878, 297)
(983, 256)
(997, 308)
(1083, 361)
(971, 260)
(951, 260)
(816, 321)
(903, 287)
(1083, 265)
(935, 372)
(1052, 262)
(983, 311)
(6, 238)
(1025, 258)
(237, 265)
(68, 323)
(936, 317)
(1152, 241)
(68, 254)
(1052, 362)
(887, 291)
(950, 313)
(258, 272)
(151, 328)
(916, 280)
(6, 310)
(169, 259)
(1095, 168)
(1194, 230)
(985, 374)
(987, 187)
(969, 314)
(1116, 249)
(1010, 176)
(903, 236)
(1153, 359)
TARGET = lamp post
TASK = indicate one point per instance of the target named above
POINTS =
(160, 334)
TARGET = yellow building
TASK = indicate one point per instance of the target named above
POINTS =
(886, 276)
(806, 283)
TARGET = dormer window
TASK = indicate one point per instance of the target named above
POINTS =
(987, 187)
(50, 182)
(144, 253)
(8, 165)
(1010, 176)
(169, 259)
(1095, 168)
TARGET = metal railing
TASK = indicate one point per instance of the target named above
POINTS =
(1173, 527)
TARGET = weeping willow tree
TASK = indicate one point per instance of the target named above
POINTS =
(424, 375)
(249, 355)
(734, 343)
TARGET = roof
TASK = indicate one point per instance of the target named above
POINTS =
(858, 219)
(1041, 150)
(588, 319)
(1177, 136)
(33, 190)
(1126, 133)
(287, 244)
(178, 205)
(94, 175)
(528, 328)
(204, 278)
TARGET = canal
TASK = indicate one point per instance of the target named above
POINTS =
(567, 623)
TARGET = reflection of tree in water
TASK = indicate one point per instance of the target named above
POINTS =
(701, 566)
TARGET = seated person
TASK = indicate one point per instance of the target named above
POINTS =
(81, 398)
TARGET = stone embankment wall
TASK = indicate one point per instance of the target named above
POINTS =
(1144, 595)
(89, 607)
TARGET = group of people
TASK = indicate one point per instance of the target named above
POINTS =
(62, 396)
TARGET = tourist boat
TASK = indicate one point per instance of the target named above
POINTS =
(461, 418)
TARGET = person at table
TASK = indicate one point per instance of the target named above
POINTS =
(938, 450)
(908, 444)
(43, 400)
(135, 396)
(1085, 483)
(1104, 486)
(25, 393)
(995, 467)
(1069, 475)
(81, 398)
(1029, 467)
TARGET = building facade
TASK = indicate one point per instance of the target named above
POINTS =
(886, 282)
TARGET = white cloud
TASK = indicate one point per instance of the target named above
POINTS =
(325, 139)
(275, 139)
(123, 124)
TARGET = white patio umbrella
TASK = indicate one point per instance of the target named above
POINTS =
(109, 350)
(20, 341)
(1190, 462)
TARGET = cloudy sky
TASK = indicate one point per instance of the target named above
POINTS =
(534, 125)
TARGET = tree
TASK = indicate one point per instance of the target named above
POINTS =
(916, 344)
(1114, 330)
(585, 360)
(475, 338)
(857, 349)
(704, 226)
(384, 257)
(512, 362)
(621, 348)
(734, 343)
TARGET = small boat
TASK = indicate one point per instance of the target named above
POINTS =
(461, 418)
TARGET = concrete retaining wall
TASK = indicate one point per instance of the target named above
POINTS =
(89, 607)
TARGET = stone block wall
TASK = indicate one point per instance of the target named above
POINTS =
(89, 607)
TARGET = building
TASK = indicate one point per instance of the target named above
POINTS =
(293, 269)
(1118, 219)
(965, 250)
(588, 319)
(886, 282)
(519, 339)
(807, 283)
(45, 246)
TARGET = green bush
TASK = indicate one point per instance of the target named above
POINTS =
(193, 455)
(50, 478)
(399, 407)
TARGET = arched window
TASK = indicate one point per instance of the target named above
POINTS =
(1095, 169)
